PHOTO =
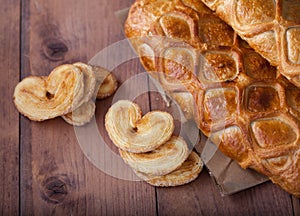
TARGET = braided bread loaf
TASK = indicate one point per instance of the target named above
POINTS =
(271, 27)
(240, 101)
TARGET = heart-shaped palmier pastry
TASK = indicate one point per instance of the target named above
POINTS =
(131, 132)
(106, 82)
(107, 87)
(82, 114)
(41, 98)
(186, 173)
(98, 83)
(161, 161)
(89, 79)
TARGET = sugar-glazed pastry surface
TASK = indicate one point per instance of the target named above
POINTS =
(69, 91)
(186, 173)
(41, 98)
(132, 132)
(240, 101)
(271, 27)
(162, 160)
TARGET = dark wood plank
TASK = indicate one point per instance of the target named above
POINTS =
(9, 123)
(202, 197)
(296, 206)
(57, 178)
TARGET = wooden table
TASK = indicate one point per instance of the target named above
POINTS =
(42, 168)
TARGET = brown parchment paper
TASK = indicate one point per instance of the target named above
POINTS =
(229, 177)
(227, 174)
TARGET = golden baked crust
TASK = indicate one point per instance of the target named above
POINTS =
(162, 160)
(185, 102)
(89, 80)
(107, 87)
(41, 98)
(187, 172)
(241, 102)
(82, 114)
(131, 132)
(107, 82)
(86, 107)
(271, 27)
(69, 91)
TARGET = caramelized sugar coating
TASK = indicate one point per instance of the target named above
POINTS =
(160, 161)
(42, 98)
(241, 102)
(271, 27)
(69, 91)
(187, 172)
(107, 87)
(106, 84)
(132, 132)
(82, 115)
(89, 80)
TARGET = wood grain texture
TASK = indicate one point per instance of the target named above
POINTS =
(57, 179)
(202, 197)
(9, 123)
(296, 206)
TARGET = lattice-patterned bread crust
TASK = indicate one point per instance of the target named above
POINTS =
(271, 27)
(240, 101)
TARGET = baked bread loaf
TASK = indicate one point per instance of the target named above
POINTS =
(240, 101)
(271, 27)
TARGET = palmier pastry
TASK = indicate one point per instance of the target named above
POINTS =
(107, 82)
(161, 161)
(241, 102)
(131, 132)
(82, 114)
(68, 88)
(89, 81)
(107, 87)
(41, 98)
(187, 172)
(98, 84)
